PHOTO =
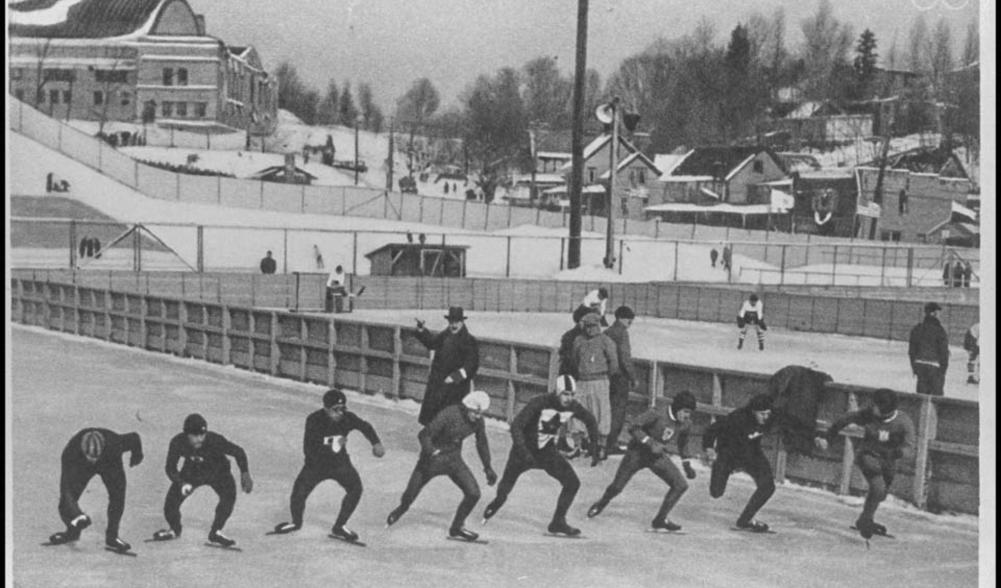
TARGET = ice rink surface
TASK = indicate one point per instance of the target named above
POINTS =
(62, 384)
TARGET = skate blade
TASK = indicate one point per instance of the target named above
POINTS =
(563, 536)
(665, 532)
(121, 551)
(227, 548)
(461, 540)
(884, 535)
(753, 532)
(348, 541)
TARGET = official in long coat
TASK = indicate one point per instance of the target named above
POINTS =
(456, 359)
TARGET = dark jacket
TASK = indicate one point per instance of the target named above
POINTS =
(111, 457)
(737, 436)
(661, 426)
(594, 355)
(538, 424)
(929, 344)
(205, 464)
(887, 439)
(567, 365)
(324, 441)
(455, 355)
(268, 265)
(619, 334)
(798, 392)
(448, 429)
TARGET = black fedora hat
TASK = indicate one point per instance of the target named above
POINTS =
(455, 313)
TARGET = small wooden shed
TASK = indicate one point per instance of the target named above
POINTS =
(416, 259)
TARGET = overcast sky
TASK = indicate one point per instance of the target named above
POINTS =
(389, 43)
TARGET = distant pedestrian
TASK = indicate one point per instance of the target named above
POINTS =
(929, 352)
(971, 343)
(336, 290)
(727, 257)
(268, 265)
(958, 273)
(752, 312)
(622, 381)
(595, 301)
(318, 257)
(84, 248)
(947, 274)
(446, 187)
(967, 274)
(456, 361)
(596, 360)
(96, 247)
(713, 256)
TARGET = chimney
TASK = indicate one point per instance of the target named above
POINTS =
(641, 140)
(200, 24)
(290, 167)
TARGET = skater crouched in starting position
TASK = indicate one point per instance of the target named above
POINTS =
(89, 453)
(889, 436)
(324, 444)
(441, 454)
(733, 443)
(534, 434)
(653, 434)
(205, 463)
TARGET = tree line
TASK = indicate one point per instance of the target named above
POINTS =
(335, 107)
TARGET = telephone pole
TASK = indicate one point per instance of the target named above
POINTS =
(577, 149)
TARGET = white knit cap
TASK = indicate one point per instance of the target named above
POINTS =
(477, 400)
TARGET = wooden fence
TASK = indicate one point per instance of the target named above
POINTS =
(389, 360)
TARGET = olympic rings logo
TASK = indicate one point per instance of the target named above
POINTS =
(926, 5)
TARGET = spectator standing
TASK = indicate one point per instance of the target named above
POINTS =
(947, 274)
(624, 380)
(752, 312)
(929, 352)
(318, 257)
(727, 257)
(967, 274)
(268, 265)
(456, 360)
(567, 365)
(596, 359)
(595, 301)
(971, 343)
(713, 256)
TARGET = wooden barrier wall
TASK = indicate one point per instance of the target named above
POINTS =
(387, 359)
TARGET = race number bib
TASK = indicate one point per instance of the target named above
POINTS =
(668, 435)
(884, 436)
(550, 422)
(336, 442)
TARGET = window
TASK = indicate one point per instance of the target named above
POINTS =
(182, 109)
(66, 96)
(58, 75)
(201, 109)
(590, 174)
(54, 96)
(167, 108)
(110, 76)
(98, 98)
(182, 76)
(759, 166)
(902, 202)
(642, 176)
(890, 235)
(168, 76)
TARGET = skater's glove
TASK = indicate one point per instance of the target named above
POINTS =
(420, 323)
(491, 476)
(689, 471)
(246, 482)
(378, 450)
(710, 455)
(135, 459)
(821, 443)
(186, 489)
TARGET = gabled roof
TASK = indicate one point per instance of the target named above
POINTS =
(278, 170)
(82, 19)
(720, 161)
(925, 160)
(600, 142)
(627, 161)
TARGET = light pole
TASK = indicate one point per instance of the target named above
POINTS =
(577, 148)
(609, 114)
(357, 122)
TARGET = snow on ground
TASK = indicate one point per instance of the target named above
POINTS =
(151, 393)
(241, 164)
(861, 361)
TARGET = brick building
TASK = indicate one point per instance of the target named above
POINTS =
(116, 60)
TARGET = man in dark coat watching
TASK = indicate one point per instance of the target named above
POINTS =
(624, 380)
(454, 366)
(929, 352)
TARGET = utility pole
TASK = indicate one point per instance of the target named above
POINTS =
(389, 160)
(577, 149)
(877, 196)
(357, 121)
(613, 162)
(531, 147)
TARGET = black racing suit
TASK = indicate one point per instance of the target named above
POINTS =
(206, 465)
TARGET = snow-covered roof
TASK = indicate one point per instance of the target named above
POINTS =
(636, 155)
(86, 19)
(553, 155)
(592, 189)
(539, 179)
(958, 208)
(666, 162)
(805, 110)
(599, 142)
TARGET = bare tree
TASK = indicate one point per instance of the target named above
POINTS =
(941, 56)
(917, 45)
(971, 48)
(825, 50)
(41, 52)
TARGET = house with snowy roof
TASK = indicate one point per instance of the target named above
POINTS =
(136, 61)
(635, 177)
(723, 185)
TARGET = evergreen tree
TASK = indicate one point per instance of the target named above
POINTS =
(346, 110)
(327, 111)
(865, 65)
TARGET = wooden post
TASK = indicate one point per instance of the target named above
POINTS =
(654, 383)
(509, 216)
(620, 256)
(362, 379)
(927, 429)
(354, 255)
(507, 263)
(656, 228)
(303, 336)
(72, 244)
(200, 248)
(275, 358)
(465, 201)
(182, 331)
(834, 268)
(486, 218)
(511, 392)
(676, 247)
(910, 267)
(397, 354)
(331, 356)
(227, 347)
(782, 268)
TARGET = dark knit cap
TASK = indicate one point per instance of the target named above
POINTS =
(334, 397)
(684, 400)
(760, 402)
(195, 424)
